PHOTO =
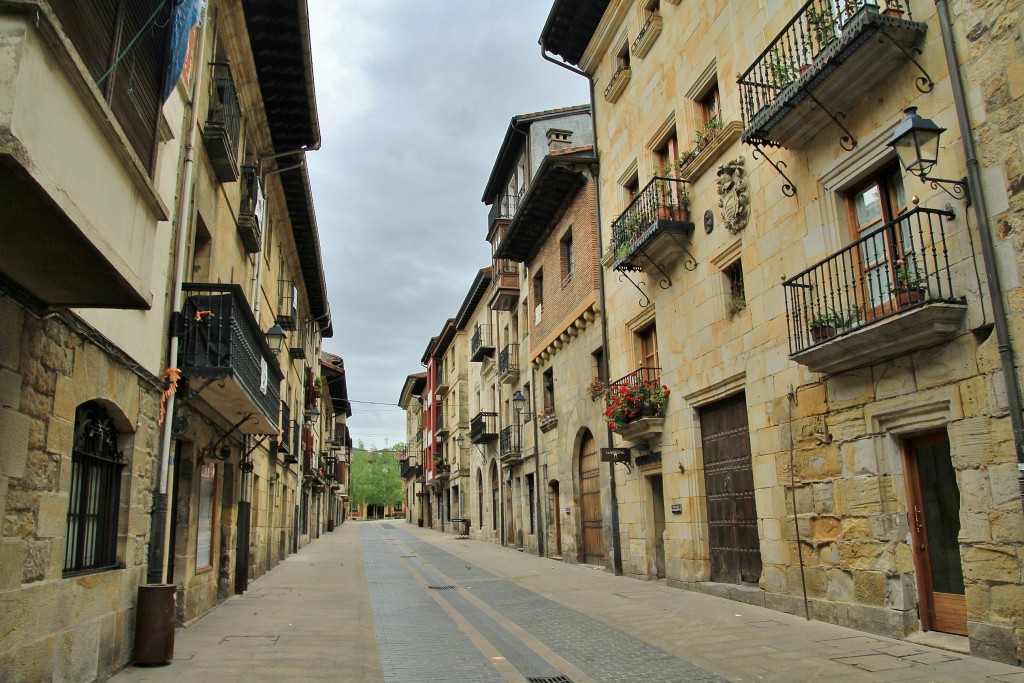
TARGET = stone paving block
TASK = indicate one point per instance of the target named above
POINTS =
(875, 662)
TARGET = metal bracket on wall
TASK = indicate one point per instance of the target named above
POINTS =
(788, 188)
(924, 83)
(847, 142)
(215, 448)
(624, 269)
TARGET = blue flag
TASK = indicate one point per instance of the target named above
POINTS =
(186, 15)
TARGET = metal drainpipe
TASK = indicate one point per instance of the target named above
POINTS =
(616, 541)
(987, 249)
(160, 531)
(536, 467)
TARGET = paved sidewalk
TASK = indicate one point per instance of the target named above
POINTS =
(312, 618)
(308, 619)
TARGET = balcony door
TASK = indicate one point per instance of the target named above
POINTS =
(934, 510)
(880, 200)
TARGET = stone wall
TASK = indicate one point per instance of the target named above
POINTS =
(80, 628)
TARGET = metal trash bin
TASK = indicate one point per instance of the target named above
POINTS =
(154, 624)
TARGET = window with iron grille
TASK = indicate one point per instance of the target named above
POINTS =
(95, 494)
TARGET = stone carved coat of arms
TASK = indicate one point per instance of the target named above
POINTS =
(733, 197)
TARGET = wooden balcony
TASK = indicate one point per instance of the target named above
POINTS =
(504, 285)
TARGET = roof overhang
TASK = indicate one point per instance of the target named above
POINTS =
(558, 179)
(473, 297)
(279, 36)
(570, 27)
(299, 198)
(413, 386)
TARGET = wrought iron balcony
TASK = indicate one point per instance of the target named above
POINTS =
(503, 208)
(510, 446)
(618, 83)
(828, 59)
(221, 343)
(898, 289)
(299, 342)
(504, 285)
(483, 428)
(444, 381)
(482, 344)
(250, 210)
(635, 404)
(508, 364)
(654, 229)
(441, 425)
(287, 304)
(223, 123)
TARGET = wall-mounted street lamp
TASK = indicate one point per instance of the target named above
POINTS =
(519, 403)
(460, 441)
(916, 141)
(275, 338)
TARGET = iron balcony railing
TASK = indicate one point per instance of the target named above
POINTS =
(287, 304)
(814, 27)
(483, 427)
(223, 123)
(509, 443)
(286, 437)
(220, 338)
(299, 341)
(504, 207)
(482, 343)
(661, 199)
(508, 359)
(902, 265)
(642, 382)
(250, 210)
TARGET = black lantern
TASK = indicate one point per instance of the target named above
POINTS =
(518, 401)
(916, 141)
(275, 338)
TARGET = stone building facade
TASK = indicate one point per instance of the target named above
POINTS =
(101, 324)
(838, 435)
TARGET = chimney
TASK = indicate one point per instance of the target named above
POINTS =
(559, 139)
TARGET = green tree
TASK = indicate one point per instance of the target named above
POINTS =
(375, 478)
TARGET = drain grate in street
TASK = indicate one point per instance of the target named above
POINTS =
(444, 588)
(407, 556)
(550, 679)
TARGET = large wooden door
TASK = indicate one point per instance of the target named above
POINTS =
(934, 511)
(729, 483)
(590, 501)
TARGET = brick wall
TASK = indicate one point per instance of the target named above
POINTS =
(563, 296)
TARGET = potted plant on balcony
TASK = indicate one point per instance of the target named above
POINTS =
(595, 389)
(627, 403)
(824, 325)
(909, 285)
(318, 386)
(546, 417)
(822, 24)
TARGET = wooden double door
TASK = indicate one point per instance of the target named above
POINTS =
(933, 506)
(729, 486)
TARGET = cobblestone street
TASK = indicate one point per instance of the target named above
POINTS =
(386, 601)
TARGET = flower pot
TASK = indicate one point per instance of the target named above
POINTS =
(908, 296)
(672, 213)
(820, 333)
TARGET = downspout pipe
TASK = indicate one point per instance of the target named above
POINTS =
(988, 253)
(160, 531)
(616, 541)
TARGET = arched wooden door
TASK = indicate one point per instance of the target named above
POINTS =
(590, 501)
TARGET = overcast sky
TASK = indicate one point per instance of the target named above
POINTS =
(414, 98)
